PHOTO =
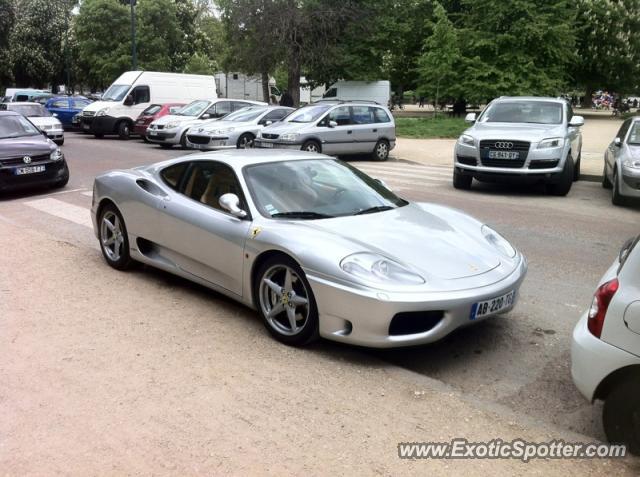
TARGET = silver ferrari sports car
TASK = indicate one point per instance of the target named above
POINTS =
(317, 247)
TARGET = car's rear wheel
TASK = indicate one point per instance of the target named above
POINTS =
(381, 151)
(245, 141)
(563, 186)
(621, 415)
(114, 242)
(284, 299)
(616, 197)
(462, 181)
(311, 146)
(124, 130)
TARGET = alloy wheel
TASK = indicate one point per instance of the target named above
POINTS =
(111, 236)
(284, 300)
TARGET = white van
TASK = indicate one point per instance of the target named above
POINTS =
(241, 86)
(378, 91)
(134, 91)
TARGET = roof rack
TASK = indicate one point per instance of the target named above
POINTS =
(345, 101)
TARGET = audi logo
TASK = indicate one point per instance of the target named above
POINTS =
(503, 145)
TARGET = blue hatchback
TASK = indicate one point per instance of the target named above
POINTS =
(66, 107)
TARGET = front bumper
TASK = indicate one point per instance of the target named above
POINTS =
(99, 124)
(630, 183)
(55, 172)
(161, 136)
(363, 317)
(275, 144)
(209, 143)
(592, 359)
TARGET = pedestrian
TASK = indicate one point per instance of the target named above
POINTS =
(286, 99)
(635, 103)
(421, 104)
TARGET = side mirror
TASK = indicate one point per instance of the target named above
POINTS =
(617, 142)
(332, 124)
(55, 115)
(268, 123)
(128, 101)
(576, 121)
(231, 203)
(205, 116)
(470, 118)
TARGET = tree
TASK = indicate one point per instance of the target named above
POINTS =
(7, 18)
(160, 39)
(608, 46)
(200, 64)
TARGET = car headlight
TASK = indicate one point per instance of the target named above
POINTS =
(223, 131)
(498, 241)
(467, 140)
(631, 163)
(376, 268)
(56, 155)
(289, 137)
(171, 125)
(551, 142)
(102, 112)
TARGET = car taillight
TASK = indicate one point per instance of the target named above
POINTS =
(599, 306)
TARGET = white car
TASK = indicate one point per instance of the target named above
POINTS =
(605, 353)
(41, 118)
(237, 129)
(622, 163)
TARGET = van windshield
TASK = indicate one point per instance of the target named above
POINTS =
(194, 108)
(116, 92)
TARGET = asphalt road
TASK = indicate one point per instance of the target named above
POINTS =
(520, 360)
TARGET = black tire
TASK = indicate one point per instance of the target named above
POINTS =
(265, 297)
(462, 181)
(576, 169)
(98, 135)
(64, 181)
(122, 259)
(381, 151)
(312, 146)
(606, 183)
(245, 141)
(183, 140)
(166, 146)
(59, 142)
(616, 197)
(144, 138)
(563, 186)
(621, 415)
(124, 130)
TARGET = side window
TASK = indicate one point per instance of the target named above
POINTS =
(219, 109)
(239, 105)
(79, 104)
(172, 174)
(381, 115)
(207, 181)
(361, 115)
(341, 116)
(174, 109)
(275, 116)
(622, 132)
(62, 103)
(141, 94)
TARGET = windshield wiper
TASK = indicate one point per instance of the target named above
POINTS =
(302, 214)
(377, 208)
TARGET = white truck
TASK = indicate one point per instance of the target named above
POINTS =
(378, 91)
(134, 91)
(241, 86)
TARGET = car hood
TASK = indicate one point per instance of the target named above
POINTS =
(286, 127)
(45, 121)
(434, 241)
(172, 118)
(213, 125)
(25, 146)
(516, 131)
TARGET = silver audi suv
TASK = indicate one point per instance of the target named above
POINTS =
(530, 138)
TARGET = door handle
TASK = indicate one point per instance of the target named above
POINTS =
(349, 132)
(375, 130)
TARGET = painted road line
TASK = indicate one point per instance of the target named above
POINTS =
(64, 210)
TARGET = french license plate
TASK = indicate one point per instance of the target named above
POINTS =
(85, 126)
(492, 306)
(29, 170)
(217, 143)
(503, 155)
(266, 144)
(152, 132)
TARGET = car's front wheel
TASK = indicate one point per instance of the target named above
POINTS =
(565, 181)
(606, 183)
(616, 197)
(114, 241)
(621, 415)
(462, 181)
(284, 299)
(311, 146)
(59, 142)
(245, 141)
(124, 130)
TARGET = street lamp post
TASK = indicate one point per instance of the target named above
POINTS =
(134, 53)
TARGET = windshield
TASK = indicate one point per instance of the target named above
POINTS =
(537, 112)
(634, 135)
(116, 92)
(245, 114)
(316, 188)
(151, 110)
(308, 114)
(194, 108)
(16, 126)
(29, 110)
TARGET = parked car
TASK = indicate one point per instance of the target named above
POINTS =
(605, 353)
(66, 107)
(622, 163)
(314, 244)
(27, 157)
(152, 113)
(235, 130)
(171, 130)
(527, 138)
(375, 91)
(39, 116)
(135, 91)
(335, 128)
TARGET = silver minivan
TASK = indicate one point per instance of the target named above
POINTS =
(335, 128)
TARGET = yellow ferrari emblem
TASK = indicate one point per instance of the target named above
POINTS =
(255, 232)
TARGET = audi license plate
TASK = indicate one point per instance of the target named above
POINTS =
(28, 170)
(503, 155)
(493, 306)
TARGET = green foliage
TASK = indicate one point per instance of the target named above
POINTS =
(7, 18)
(427, 128)
(160, 39)
(200, 64)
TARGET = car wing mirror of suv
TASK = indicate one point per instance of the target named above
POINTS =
(576, 121)
(617, 142)
(470, 118)
(332, 124)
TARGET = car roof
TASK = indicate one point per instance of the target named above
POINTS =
(530, 98)
(25, 103)
(4, 112)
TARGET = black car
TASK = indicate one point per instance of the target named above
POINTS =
(27, 157)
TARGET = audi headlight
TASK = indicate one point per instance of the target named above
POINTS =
(102, 112)
(378, 269)
(631, 163)
(551, 142)
(290, 137)
(498, 241)
(467, 140)
(56, 155)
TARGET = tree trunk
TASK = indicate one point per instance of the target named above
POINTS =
(294, 76)
(265, 88)
(586, 99)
